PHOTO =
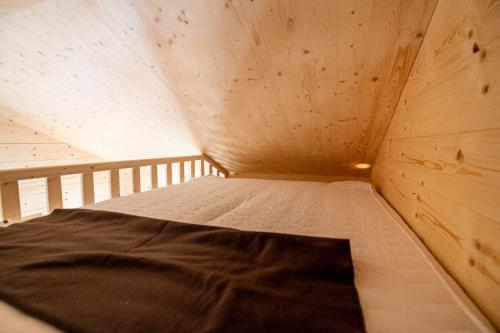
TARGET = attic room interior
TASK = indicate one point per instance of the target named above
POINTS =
(249, 166)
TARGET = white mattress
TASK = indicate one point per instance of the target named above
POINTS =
(401, 288)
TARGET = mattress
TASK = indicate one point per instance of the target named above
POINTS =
(401, 287)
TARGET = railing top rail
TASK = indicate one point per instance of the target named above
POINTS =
(9, 175)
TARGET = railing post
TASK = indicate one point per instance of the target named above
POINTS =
(88, 188)
(154, 176)
(210, 169)
(202, 167)
(54, 193)
(114, 183)
(136, 179)
(11, 205)
(193, 169)
(168, 170)
(181, 171)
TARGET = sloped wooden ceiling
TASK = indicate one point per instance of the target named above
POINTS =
(305, 87)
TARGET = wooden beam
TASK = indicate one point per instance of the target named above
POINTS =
(88, 188)
(298, 177)
(216, 165)
(114, 183)
(54, 193)
(168, 170)
(154, 176)
(136, 179)
(11, 206)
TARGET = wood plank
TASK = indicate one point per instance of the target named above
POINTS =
(309, 178)
(9, 6)
(439, 164)
(193, 169)
(168, 170)
(54, 193)
(136, 179)
(154, 176)
(181, 172)
(215, 165)
(11, 207)
(114, 183)
(23, 147)
(88, 188)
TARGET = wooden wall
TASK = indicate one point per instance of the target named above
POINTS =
(439, 165)
(22, 147)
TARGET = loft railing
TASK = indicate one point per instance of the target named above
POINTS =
(9, 186)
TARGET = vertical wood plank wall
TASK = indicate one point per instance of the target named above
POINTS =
(439, 165)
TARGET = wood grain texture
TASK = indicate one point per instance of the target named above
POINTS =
(114, 183)
(54, 193)
(182, 176)
(295, 177)
(8, 6)
(192, 173)
(439, 165)
(136, 179)
(154, 176)
(168, 170)
(10, 203)
(22, 147)
(88, 194)
(304, 87)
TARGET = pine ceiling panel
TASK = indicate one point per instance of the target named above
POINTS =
(304, 87)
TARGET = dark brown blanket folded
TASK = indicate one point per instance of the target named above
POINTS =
(96, 271)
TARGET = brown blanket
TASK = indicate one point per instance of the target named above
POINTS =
(96, 271)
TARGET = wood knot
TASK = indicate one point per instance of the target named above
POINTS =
(477, 244)
(460, 156)
(475, 48)
(472, 262)
(486, 88)
(375, 78)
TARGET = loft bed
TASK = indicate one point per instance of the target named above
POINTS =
(401, 286)
(327, 124)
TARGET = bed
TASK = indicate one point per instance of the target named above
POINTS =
(400, 286)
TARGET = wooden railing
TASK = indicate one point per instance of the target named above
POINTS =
(9, 187)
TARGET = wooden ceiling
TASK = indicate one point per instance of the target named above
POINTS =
(304, 87)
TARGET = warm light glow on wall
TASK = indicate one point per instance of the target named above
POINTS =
(362, 166)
